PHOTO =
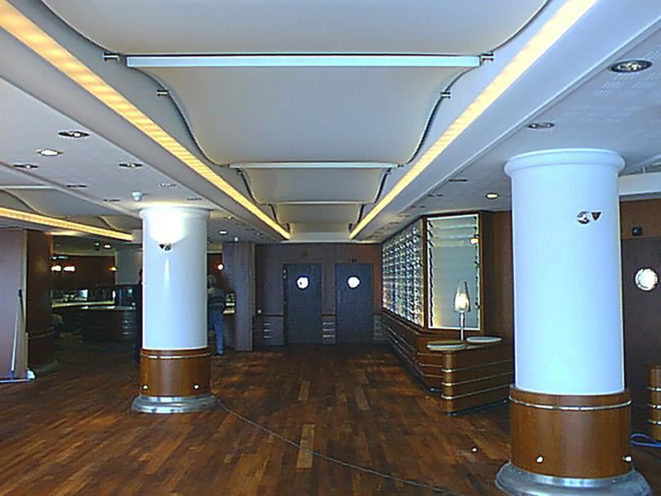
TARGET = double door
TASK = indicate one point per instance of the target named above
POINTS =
(303, 303)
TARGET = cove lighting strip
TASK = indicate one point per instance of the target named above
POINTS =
(43, 220)
(408, 61)
(555, 27)
(28, 33)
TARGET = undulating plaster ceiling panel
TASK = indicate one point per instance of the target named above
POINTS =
(314, 214)
(320, 114)
(296, 26)
(314, 185)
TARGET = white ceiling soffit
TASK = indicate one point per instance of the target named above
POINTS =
(313, 214)
(362, 114)
(314, 185)
(296, 26)
(329, 232)
(571, 61)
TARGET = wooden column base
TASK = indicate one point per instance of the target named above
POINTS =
(571, 436)
(175, 381)
(567, 445)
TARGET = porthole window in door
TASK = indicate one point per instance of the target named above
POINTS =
(353, 282)
(646, 279)
(302, 282)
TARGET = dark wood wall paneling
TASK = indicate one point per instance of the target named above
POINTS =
(239, 261)
(41, 338)
(642, 317)
(269, 261)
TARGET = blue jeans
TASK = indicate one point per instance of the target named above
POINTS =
(215, 321)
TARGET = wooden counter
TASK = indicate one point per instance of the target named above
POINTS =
(467, 378)
(99, 321)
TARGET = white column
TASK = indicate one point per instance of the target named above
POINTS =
(567, 275)
(174, 278)
(128, 261)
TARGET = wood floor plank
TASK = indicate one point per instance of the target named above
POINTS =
(305, 457)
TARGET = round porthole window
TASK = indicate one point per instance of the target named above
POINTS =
(353, 282)
(302, 282)
(646, 279)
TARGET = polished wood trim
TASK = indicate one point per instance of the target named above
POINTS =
(571, 435)
(175, 372)
(41, 345)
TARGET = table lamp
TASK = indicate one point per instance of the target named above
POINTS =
(462, 304)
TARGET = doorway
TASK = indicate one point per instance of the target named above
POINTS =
(302, 303)
(353, 289)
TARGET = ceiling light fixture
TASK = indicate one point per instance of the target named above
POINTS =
(130, 165)
(559, 23)
(222, 232)
(25, 166)
(32, 36)
(194, 198)
(48, 152)
(541, 125)
(492, 195)
(167, 185)
(76, 186)
(635, 65)
(74, 134)
(258, 60)
(43, 220)
(458, 180)
(107, 246)
(111, 200)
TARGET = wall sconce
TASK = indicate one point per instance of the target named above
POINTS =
(462, 304)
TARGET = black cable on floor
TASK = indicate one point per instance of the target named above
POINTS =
(422, 485)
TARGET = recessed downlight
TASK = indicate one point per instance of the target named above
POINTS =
(49, 152)
(76, 186)
(25, 166)
(222, 232)
(541, 125)
(194, 198)
(107, 246)
(130, 165)
(458, 180)
(111, 200)
(167, 185)
(73, 133)
(635, 65)
(492, 195)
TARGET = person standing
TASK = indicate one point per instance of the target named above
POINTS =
(215, 308)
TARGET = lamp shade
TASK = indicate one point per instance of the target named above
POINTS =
(462, 302)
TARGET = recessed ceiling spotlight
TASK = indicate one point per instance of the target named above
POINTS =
(167, 185)
(107, 246)
(130, 165)
(222, 232)
(25, 166)
(635, 65)
(48, 152)
(492, 196)
(194, 198)
(111, 200)
(73, 134)
(458, 180)
(541, 125)
(76, 185)
(435, 195)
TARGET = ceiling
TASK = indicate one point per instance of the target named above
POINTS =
(313, 111)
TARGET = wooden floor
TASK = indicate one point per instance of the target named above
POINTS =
(71, 432)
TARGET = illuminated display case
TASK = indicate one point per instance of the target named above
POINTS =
(423, 265)
(403, 274)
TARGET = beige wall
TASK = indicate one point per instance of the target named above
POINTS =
(13, 249)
